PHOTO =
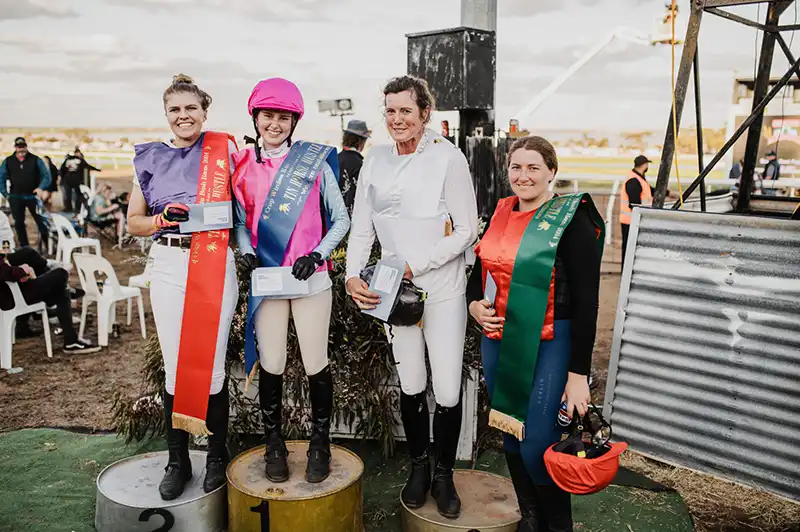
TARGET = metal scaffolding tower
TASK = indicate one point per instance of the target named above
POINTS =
(762, 95)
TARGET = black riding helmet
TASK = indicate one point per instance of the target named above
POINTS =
(409, 304)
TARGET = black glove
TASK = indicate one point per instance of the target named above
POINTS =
(249, 262)
(173, 214)
(305, 266)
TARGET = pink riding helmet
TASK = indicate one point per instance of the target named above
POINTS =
(276, 93)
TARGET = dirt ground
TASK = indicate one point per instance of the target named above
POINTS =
(77, 390)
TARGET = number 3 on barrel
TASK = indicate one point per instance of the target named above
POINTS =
(169, 520)
(262, 509)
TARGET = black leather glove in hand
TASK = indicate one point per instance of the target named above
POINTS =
(176, 213)
(249, 262)
(305, 266)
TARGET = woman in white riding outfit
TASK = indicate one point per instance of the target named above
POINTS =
(308, 222)
(193, 301)
(416, 195)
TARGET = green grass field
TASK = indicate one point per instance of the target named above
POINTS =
(47, 484)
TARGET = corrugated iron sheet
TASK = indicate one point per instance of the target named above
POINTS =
(705, 362)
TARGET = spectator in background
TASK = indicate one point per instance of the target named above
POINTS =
(772, 171)
(37, 284)
(74, 173)
(635, 191)
(105, 211)
(47, 195)
(29, 177)
(6, 235)
(354, 139)
(736, 172)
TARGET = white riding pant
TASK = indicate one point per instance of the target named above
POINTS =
(444, 326)
(168, 272)
(312, 320)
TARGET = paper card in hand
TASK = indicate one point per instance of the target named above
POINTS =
(386, 283)
(491, 289)
(212, 216)
(272, 282)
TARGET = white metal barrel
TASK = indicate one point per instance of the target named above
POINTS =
(128, 498)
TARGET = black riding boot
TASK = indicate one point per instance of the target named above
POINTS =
(414, 413)
(179, 465)
(556, 507)
(217, 457)
(526, 493)
(270, 395)
(320, 388)
(446, 431)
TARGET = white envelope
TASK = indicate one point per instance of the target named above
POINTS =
(386, 282)
(276, 282)
(213, 216)
(490, 293)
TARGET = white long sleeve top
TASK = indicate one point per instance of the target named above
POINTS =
(423, 211)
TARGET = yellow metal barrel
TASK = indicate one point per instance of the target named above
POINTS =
(255, 504)
(488, 504)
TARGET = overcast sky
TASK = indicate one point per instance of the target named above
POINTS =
(106, 62)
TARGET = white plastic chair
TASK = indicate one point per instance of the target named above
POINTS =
(68, 241)
(88, 266)
(8, 319)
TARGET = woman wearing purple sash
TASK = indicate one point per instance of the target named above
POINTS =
(166, 182)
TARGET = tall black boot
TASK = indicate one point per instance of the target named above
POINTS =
(416, 420)
(179, 465)
(446, 431)
(270, 395)
(556, 507)
(217, 457)
(526, 493)
(320, 387)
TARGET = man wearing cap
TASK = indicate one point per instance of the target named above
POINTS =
(354, 139)
(772, 171)
(29, 176)
(75, 171)
(635, 191)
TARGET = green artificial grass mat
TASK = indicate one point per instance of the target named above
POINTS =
(47, 484)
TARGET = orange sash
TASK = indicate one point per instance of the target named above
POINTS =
(202, 305)
(497, 251)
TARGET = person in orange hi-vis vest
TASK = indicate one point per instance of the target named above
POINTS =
(636, 191)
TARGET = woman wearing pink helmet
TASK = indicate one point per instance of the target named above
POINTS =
(290, 217)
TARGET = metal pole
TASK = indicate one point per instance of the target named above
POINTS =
(682, 83)
(794, 69)
(788, 53)
(760, 90)
(480, 14)
(699, 120)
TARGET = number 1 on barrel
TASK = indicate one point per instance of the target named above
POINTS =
(262, 509)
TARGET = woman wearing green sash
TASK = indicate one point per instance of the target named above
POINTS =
(535, 293)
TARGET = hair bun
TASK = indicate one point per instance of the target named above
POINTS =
(182, 78)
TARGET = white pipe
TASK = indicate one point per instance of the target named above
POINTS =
(624, 34)
(563, 77)
(610, 211)
(481, 14)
